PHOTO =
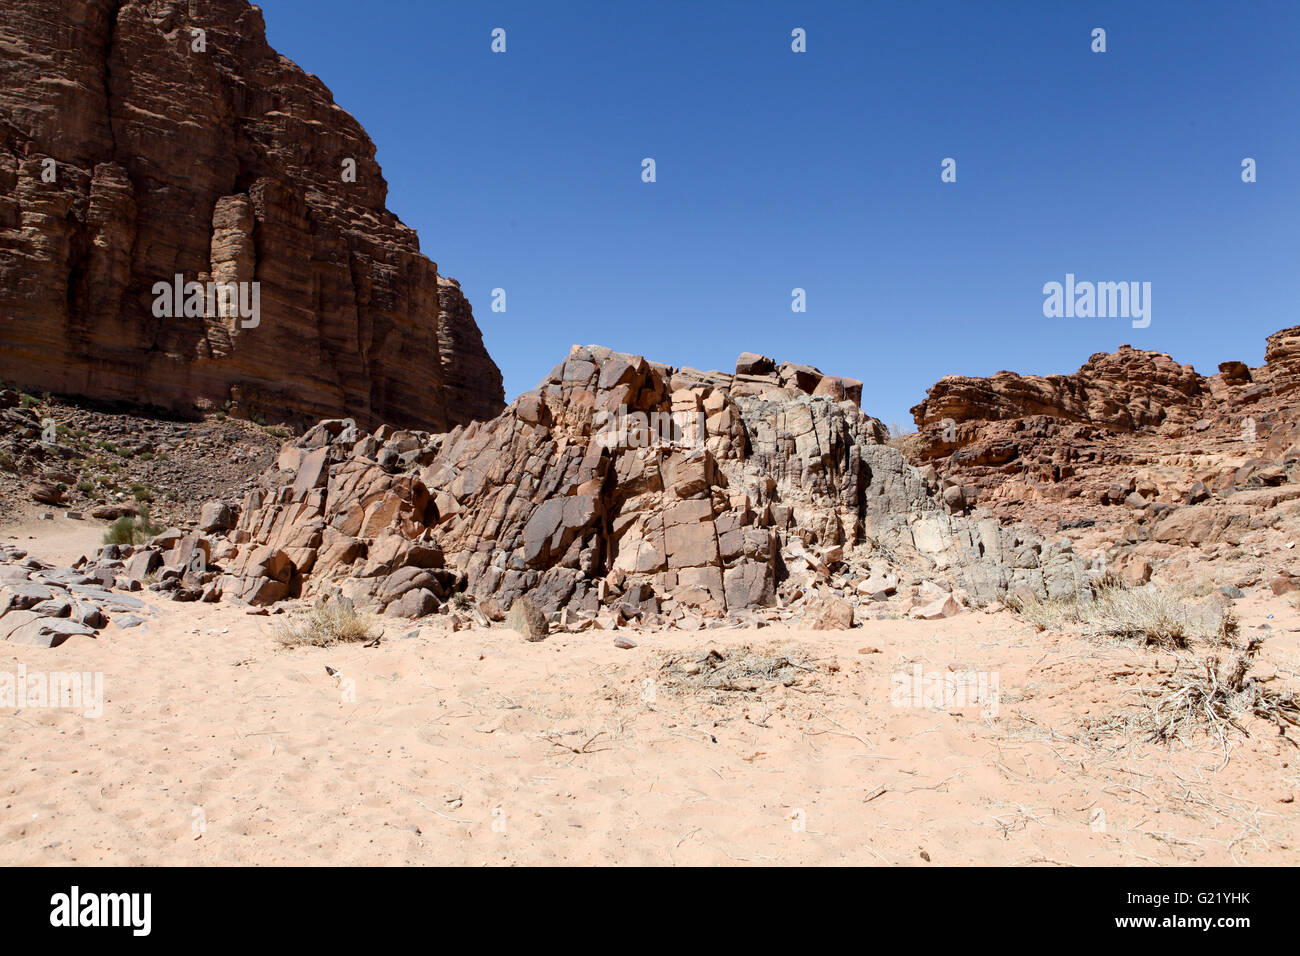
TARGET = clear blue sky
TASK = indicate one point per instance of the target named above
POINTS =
(821, 170)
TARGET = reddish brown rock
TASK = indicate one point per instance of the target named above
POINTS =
(1128, 428)
(1284, 583)
(828, 614)
(46, 493)
(1282, 356)
(937, 609)
(1122, 390)
(617, 484)
(525, 619)
(223, 163)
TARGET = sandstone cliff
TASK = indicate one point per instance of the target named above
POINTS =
(139, 141)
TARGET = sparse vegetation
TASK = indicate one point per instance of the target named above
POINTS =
(1150, 615)
(1199, 694)
(132, 530)
(744, 670)
(1203, 695)
(331, 621)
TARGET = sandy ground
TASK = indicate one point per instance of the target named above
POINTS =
(217, 746)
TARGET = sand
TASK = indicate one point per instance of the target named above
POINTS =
(218, 746)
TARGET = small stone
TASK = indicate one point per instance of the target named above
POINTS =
(936, 610)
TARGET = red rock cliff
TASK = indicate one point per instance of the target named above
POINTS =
(223, 163)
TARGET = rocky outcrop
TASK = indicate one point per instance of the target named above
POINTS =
(1060, 436)
(1282, 359)
(46, 605)
(141, 141)
(623, 484)
(1123, 390)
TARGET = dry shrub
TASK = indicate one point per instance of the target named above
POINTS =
(743, 670)
(330, 621)
(1204, 695)
(1149, 615)
(130, 529)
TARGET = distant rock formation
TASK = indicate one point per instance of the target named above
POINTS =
(1123, 390)
(141, 141)
(1129, 428)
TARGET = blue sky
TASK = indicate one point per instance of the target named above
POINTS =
(821, 170)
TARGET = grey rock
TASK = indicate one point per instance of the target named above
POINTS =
(413, 604)
(54, 607)
(49, 632)
(524, 618)
(20, 597)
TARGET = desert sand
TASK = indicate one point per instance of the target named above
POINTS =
(216, 745)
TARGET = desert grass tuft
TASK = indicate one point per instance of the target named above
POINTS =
(329, 622)
(1149, 615)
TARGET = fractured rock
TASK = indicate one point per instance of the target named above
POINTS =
(525, 619)
(828, 614)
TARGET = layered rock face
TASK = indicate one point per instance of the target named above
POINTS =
(619, 481)
(1123, 390)
(1132, 439)
(1282, 360)
(147, 140)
